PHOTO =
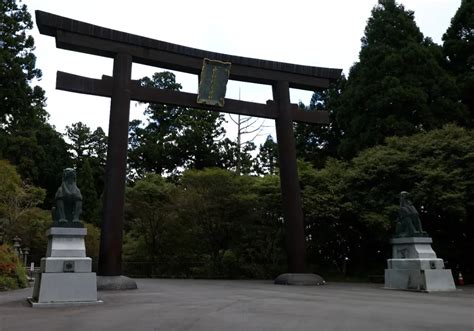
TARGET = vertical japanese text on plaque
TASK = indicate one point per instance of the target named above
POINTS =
(213, 82)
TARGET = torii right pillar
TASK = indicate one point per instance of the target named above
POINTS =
(290, 190)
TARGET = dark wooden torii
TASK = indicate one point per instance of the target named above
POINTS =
(127, 48)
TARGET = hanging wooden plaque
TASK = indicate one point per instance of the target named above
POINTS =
(213, 82)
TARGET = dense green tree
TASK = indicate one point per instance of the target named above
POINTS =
(92, 241)
(266, 162)
(98, 146)
(152, 145)
(16, 197)
(40, 154)
(153, 232)
(437, 169)
(173, 137)
(91, 147)
(261, 249)
(19, 215)
(316, 142)
(31, 228)
(397, 87)
(90, 201)
(228, 154)
(234, 158)
(229, 225)
(98, 158)
(197, 144)
(147, 209)
(245, 160)
(333, 234)
(20, 103)
(26, 139)
(219, 203)
(52, 159)
(458, 49)
(80, 136)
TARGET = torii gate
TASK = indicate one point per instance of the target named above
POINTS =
(127, 48)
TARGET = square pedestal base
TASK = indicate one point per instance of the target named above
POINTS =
(419, 280)
(65, 288)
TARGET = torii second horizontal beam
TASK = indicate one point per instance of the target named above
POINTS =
(103, 87)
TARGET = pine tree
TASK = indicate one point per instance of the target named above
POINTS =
(397, 87)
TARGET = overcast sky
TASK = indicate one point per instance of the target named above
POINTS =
(324, 33)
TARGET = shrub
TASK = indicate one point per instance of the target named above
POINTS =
(12, 273)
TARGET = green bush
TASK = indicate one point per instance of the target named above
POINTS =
(12, 273)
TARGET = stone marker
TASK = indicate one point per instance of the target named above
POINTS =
(65, 276)
(414, 265)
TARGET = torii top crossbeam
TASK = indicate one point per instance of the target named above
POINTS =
(127, 48)
(92, 39)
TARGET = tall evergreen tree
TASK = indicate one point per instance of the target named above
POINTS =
(90, 202)
(458, 48)
(266, 162)
(89, 147)
(26, 139)
(316, 142)
(231, 157)
(98, 146)
(397, 87)
(20, 103)
(174, 137)
(53, 157)
(98, 158)
(80, 136)
(197, 143)
(151, 144)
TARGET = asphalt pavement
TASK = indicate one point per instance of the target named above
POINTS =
(183, 304)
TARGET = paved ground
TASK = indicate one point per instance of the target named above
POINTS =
(165, 304)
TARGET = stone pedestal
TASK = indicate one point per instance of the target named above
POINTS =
(414, 266)
(65, 276)
(299, 279)
(115, 283)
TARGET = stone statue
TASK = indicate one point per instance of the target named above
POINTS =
(408, 223)
(68, 202)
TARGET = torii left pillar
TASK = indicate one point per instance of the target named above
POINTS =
(110, 256)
